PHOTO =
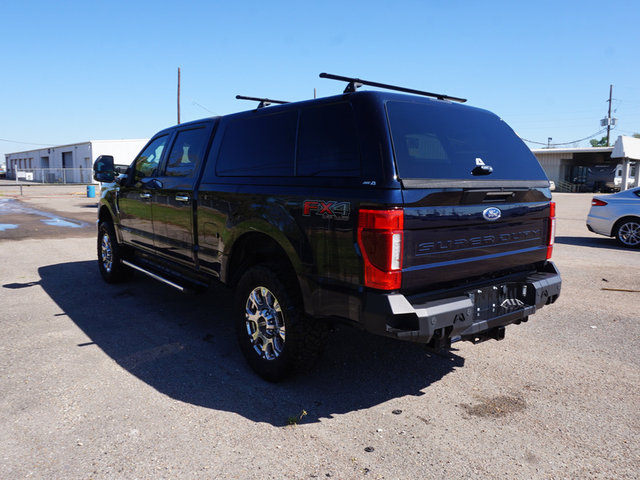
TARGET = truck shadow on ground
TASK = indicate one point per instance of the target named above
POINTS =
(599, 242)
(184, 346)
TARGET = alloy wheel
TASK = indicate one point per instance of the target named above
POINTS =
(629, 234)
(264, 322)
(106, 252)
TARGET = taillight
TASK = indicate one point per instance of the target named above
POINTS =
(596, 202)
(381, 239)
(552, 229)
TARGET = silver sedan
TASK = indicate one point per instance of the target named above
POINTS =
(617, 215)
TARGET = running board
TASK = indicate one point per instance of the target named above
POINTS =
(153, 275)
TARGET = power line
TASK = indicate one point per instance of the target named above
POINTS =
(203, 107)
(629, 132)
(565, 143)
(26, 143)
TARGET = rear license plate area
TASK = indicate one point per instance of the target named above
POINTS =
(498, 300)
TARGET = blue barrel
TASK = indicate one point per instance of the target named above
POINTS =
(91, 191)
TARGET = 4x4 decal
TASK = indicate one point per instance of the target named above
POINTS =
(327, 209)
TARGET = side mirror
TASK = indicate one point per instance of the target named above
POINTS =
(122, 173)
(104, 169)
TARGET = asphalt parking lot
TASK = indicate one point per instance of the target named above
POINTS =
(139, 381)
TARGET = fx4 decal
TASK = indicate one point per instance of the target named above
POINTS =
(331, 209)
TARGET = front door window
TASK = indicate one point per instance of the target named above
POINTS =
(148, 161)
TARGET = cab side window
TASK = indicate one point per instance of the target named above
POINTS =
(186, 153)
(147, 162)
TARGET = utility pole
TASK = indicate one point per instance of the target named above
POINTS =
(179, 96)
(609, 114)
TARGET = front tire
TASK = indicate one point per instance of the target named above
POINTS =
(274, 335)
(628, 232)
(110, 254)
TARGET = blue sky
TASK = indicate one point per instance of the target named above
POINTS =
(73, 71)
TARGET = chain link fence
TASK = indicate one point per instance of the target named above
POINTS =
(61, 176)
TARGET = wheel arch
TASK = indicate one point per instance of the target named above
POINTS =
(614, 229)
(106, 215)
(253, 248)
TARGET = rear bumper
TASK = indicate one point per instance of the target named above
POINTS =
(475, 314)
(601, 225)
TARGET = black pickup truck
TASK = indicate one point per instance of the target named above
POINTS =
(412, 216)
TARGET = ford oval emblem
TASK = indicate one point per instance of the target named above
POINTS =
(491, 214)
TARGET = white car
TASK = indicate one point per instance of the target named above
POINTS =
(617, 215)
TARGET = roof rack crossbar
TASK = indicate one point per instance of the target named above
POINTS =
(355, 83)
(264, 102)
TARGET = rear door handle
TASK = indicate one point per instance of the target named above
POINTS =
(145, 195)
(183, 198)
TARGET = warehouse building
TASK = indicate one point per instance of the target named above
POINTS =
(69, 163)
(573, 169)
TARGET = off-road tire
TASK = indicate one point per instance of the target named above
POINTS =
(281, 339)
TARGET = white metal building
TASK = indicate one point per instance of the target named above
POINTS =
(568, 167)
(627, 152)
(69, 163)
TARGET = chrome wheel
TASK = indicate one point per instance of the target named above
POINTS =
(264, 323)
(273, 333)
(106, 252)
(110, 254)
(629, 234)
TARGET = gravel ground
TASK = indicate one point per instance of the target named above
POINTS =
(139, 381)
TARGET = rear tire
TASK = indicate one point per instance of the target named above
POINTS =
(627, 232)
(273, 333)
(110, 255)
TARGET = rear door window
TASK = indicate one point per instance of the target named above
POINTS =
(443, 141)
(187, 151)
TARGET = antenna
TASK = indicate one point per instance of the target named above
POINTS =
(264, 102)
(355, 83)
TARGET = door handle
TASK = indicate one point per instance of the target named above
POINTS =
(182, 198)
(145, 195)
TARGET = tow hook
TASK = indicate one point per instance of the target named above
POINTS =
(496, 333)
(438, 342)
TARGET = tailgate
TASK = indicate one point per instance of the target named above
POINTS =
(473, 236)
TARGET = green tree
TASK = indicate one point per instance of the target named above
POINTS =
(598, 143)
(636, 135)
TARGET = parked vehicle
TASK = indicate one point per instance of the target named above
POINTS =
(607, 178)
(411, 216)
(617, 215)
(630, 180)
